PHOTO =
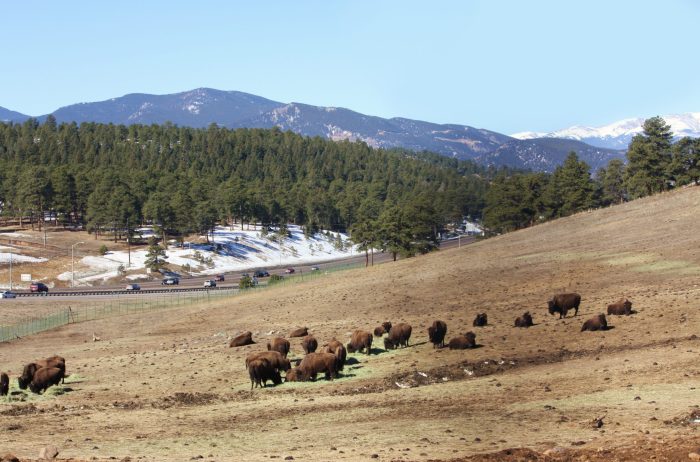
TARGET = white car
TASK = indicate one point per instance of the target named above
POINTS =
(7, 294)
(210, 283)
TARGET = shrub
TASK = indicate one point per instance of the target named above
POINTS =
(246, 282)
(103, 250)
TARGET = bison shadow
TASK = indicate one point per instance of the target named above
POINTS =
(349, 361)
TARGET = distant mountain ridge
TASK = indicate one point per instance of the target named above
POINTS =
(618, 135)
(232, 109)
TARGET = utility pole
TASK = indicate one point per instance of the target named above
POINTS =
(128, 242)
(10, 270)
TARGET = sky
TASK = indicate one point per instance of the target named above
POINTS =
(504, 65)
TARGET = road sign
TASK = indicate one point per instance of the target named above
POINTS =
(26, 277)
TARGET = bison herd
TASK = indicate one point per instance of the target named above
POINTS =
(37, 376)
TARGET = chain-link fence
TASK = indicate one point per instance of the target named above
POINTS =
(139, 303)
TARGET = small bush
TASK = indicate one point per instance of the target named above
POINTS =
(246, 282)
(103, 250)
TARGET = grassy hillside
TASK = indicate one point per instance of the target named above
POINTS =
(166, 386)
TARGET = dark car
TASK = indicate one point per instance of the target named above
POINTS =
(170, 282)
(289, 270)
(219, 278)
(131, 287)
(38, 287)
(261, 274)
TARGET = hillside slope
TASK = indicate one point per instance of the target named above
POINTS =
(168, 381)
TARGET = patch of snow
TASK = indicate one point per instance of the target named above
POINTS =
(17, 258)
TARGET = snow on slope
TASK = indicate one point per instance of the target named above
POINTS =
(617, 135)
(239, 250)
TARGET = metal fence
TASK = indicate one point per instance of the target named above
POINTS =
(135, 303)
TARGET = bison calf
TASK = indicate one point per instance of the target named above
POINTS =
(360, 340)
(4, 384)
(436, 333)
(398, 336)
(280, 345)
(44, 378)
(524, 321)
(595, 323)
(309, 344)
(462, 342)
(246, 338)
(379, 331)
(562, 303)
(622, 308)
(300, 332)
(480, 321)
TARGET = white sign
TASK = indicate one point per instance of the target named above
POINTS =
(26, 277)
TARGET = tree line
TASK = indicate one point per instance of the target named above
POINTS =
(655, 163)
(114, 178)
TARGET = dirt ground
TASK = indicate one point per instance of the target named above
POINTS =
(165, 385)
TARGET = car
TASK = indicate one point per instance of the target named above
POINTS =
(38, 287)
(7, 294)
(245, 275)
(219, 278)
(210, 283)
(170, 282)
(261, 274)
(289, 270)
(131, 287)
(315, 268)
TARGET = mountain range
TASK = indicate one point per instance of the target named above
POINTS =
(232, 109)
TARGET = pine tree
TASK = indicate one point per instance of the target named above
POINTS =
(156, 258)
(685, 163)
(611, 180)
(649, 158)
(571, 189)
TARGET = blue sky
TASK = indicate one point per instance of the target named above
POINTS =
(503, 65)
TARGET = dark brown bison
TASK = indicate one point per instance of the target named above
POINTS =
(562, 303)
(31, 369)
(4, 384)
(279, 344)
(480, 321)
(387, 326)
(595, 323)
(622, 308)
(398, 336)
(524, 321)
(338, 349)
(275, 358)
(44, 378)
(360, 340)
(260, 371)
(300, 332)
(379, 331)
(316, 363)
(462, 342)
(293, 375)
(309, 344)
(436, 333)
(246, 338)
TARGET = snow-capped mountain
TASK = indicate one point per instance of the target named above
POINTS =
(617, 135)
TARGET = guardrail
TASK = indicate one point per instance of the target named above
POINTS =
(120, 292)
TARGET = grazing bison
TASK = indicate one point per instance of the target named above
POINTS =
(260, 371)
(595, 323)
(436, 333)
(300, 332)
(338, 349)
(562, 303)
(293, 375)
(462, 342)
(44, 378)
(524, 321)
(379, 331)
(481, 320)
(622, 307)
(315, 363)
(387, 326)
(275, 358)
(4, 384)
(309, 344)
(280, 345)
(360, 340)
(398, 336)
(246, 338)
(31, 368)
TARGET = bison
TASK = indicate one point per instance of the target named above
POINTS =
(261, 370)
(462, 342)
(29, 369)
(360, 340)
(246, 338)
(398, 336)
(280, 345)
(524, 321)
(436, 333)
(275, 358)
(44, 378)
(387, 326)
(315, 363)
(4, 384)
(293, 375)
(562, 303)
(338, 349)
(480, 321)
(622, 308)
(379, 331)
(309, 344)
(300, 332)
(595, 323)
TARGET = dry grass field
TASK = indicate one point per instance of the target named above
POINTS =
(165, 385)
